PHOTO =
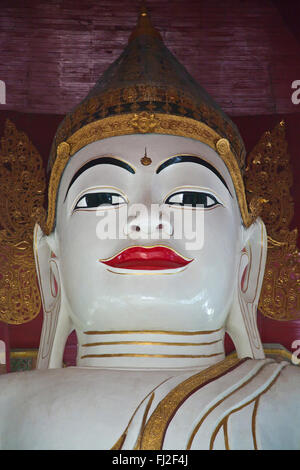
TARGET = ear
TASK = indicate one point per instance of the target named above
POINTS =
(242, 323)
(56, 322)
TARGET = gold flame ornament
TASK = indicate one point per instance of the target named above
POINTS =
(22, 192)
(269, 176)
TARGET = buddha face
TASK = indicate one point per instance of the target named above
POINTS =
(147, 275)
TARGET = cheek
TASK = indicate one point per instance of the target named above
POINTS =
(80, 237)
(80, 250)
(220, 235)
(217, 260)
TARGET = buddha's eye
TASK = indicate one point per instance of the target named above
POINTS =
(99, 199)
(192, 198)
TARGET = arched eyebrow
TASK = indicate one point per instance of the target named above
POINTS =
(193, 159)
(100, 161)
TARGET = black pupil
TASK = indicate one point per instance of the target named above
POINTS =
(189, 198)
(96, 199)
(193, 199)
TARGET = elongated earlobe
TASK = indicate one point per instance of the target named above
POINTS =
(241, 323)
(56, 319)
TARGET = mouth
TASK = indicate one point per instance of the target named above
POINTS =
(147, 258)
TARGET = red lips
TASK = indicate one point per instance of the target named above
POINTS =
(147, 258)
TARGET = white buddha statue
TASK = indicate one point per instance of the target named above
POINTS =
(150, 308)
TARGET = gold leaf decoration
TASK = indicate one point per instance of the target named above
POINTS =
(22, 191)
(144, 122)
(269, 176)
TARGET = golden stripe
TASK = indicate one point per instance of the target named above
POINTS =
(254, 423)
(33, 353)
(161, 332)
(225, 429)
(214, 434)
(120, 441)
(150, 343)
(224, 424)
(197, 427)
(279, 352)
(155, 428)
(119, 444)
(269, 352)
(243, 406)
(152, 355)
(138, 444)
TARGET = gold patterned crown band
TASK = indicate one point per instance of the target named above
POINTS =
(144, 122)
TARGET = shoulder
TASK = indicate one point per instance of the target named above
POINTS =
(50, 403)
(278, 411)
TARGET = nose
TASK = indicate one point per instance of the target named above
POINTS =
(145, 222)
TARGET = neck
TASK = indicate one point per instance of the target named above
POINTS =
(150, 349)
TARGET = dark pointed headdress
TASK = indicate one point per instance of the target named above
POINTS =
(146, 90)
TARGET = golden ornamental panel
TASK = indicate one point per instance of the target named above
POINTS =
(268, 175)
(22, 190)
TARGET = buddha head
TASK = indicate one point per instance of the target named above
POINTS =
(148, 227)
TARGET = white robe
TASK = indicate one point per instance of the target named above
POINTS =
(234, 404)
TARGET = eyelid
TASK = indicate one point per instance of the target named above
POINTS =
(97, 189)
(197, 189)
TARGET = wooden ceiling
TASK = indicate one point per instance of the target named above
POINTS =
(245, 53)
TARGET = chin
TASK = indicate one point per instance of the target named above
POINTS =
(149, 312)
